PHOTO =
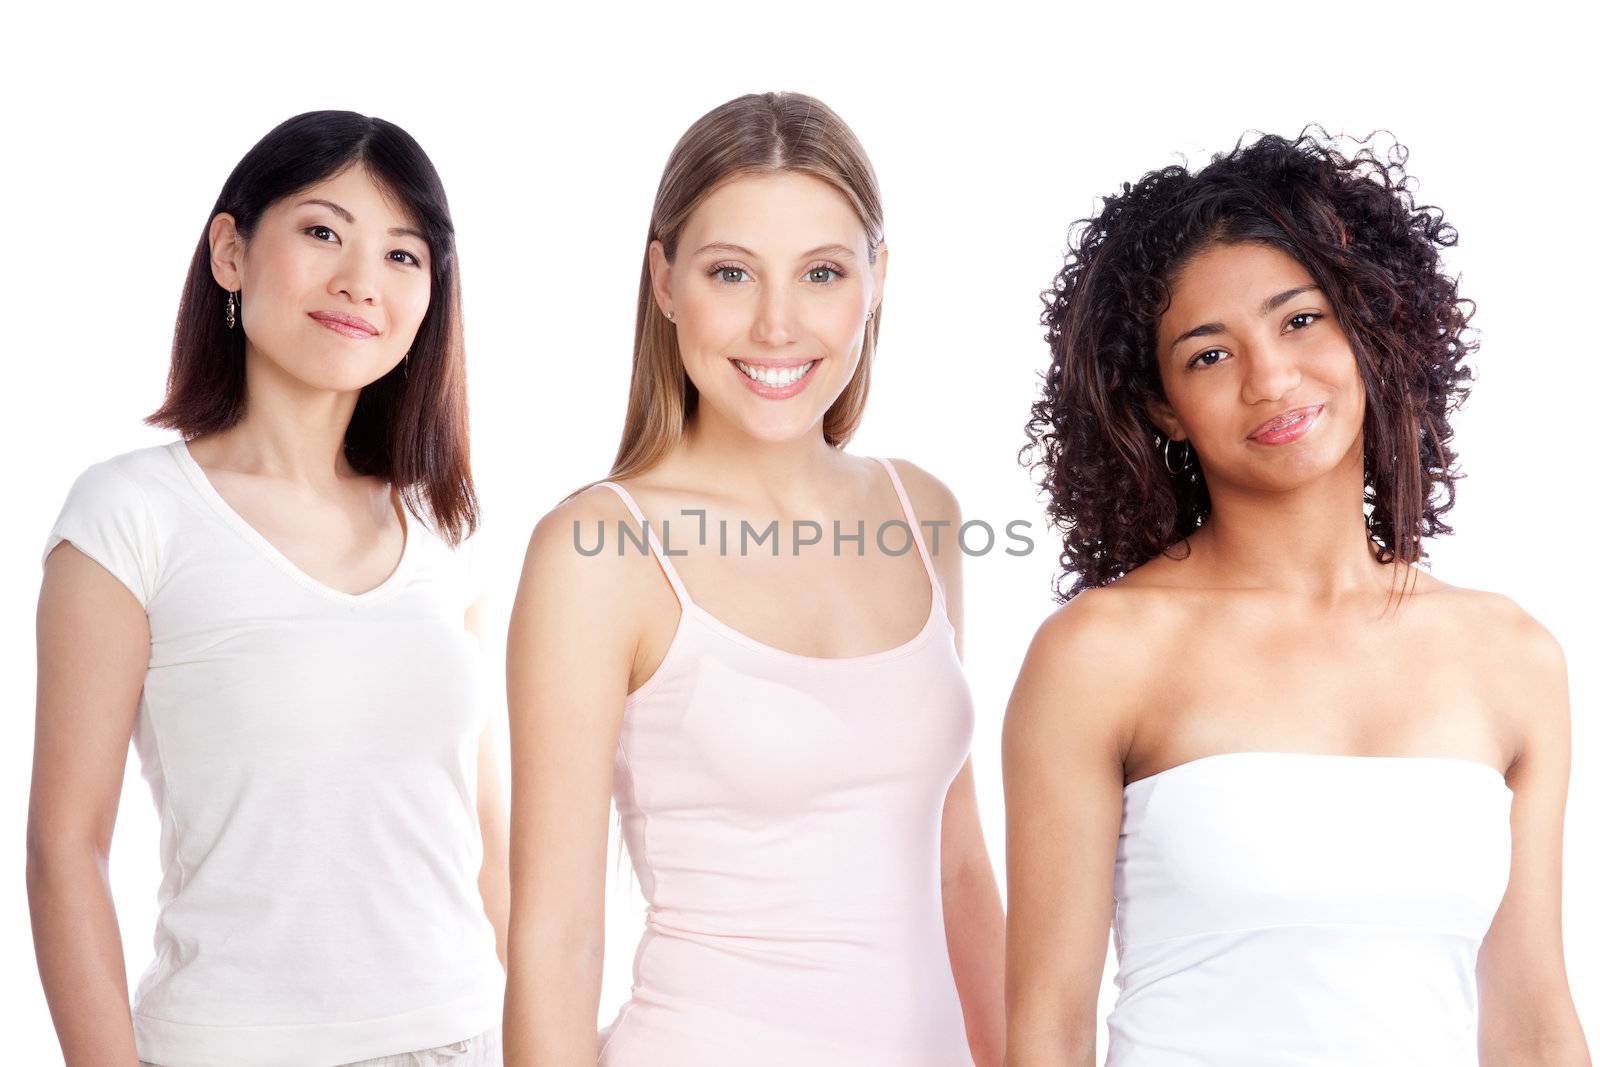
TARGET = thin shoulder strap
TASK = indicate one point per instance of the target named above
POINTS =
(916, 529)
(655, 545)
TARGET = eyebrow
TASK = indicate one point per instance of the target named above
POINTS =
(1268, 306)
(836, 250)
(394, 231)
(1273, 303)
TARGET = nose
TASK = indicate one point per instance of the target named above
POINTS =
(773, 323)
(1271, 373)
(356, 278)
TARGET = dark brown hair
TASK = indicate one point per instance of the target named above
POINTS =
(1352, 222)
(410, 426)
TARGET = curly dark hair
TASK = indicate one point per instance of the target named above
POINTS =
(1352, 221)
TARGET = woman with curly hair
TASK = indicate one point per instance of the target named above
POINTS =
(1316, 792)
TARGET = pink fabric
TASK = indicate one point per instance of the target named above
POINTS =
(783, 815)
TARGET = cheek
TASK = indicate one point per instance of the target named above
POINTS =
(841, 327)
(1340, 374)
(712, 323)
(409, 302)
(1197, 404)
(279, 279)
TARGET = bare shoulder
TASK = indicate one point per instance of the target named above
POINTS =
(578, 554)
(1086, 670)
(931, 497)
(1495, 623)
(1513, 659)
(1105, 630)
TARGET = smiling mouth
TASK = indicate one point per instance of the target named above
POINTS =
(348, 325)
(1287, 427)
(776, 382)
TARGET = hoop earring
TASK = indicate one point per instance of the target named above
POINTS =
(232, 312)
(1166, 457)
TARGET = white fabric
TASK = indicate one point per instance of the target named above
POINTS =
(1276, 908)
(481, 1051)
(313, 758)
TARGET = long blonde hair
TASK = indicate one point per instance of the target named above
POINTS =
(757, 133)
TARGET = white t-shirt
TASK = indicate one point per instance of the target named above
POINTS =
(313, 758)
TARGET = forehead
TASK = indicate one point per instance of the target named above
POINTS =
(360, 192)
(1231, 279)
(774, 214)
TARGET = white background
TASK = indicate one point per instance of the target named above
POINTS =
(992, 128)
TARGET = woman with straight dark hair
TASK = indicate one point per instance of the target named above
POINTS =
(784, 726)
(1315, 792)
(274, 607)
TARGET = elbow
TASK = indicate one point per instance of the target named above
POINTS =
(53, 856)
(1056, 1028)
(969, 870)
(1057, 1047)
(565, 950)
(1557, 1042)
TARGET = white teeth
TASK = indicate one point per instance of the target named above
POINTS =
(774, 377)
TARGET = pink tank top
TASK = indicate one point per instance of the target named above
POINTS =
(783, 817)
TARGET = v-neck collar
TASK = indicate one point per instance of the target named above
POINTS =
(382, 591)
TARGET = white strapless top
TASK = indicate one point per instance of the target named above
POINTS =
(1281, 909)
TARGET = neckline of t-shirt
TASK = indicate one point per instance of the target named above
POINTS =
(202, 484)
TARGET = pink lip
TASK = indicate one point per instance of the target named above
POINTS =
(1289, 426)
(349, 325)
(777, 392)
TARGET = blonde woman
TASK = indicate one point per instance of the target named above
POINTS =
(780, 714)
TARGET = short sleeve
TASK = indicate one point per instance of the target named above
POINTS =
(107, 518)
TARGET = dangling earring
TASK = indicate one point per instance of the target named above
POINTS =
(405, 364)
(232, 309)
(1166, 457)
(871, 313)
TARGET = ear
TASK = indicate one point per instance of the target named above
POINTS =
(660, 276)
(227, 252)
(880, 267)
(1165, 418)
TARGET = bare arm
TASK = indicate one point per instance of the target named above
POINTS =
(974, 921)
(1062, 750)
(1526, 1013)
(494, 878)
(94, 650)
(568, 664)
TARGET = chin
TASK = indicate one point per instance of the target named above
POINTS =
(337, 380)
(778, 431)
(1294, 470)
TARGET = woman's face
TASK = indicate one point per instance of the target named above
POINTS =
(769, 292)
(332, 284)
(1259, 377)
